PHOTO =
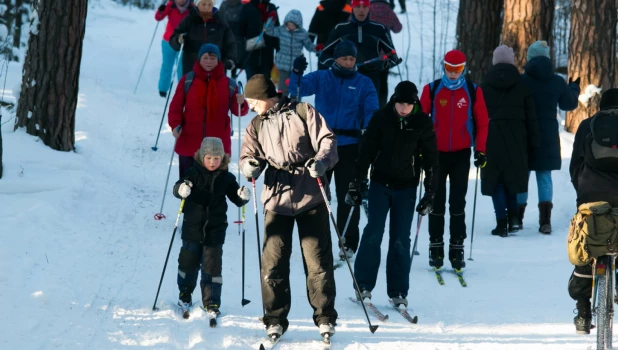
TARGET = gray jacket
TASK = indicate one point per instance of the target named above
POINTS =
(290, 43)
(283, 141)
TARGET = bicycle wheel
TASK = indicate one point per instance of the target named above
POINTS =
(604, 308)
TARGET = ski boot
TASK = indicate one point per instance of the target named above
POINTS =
(436, 255)
(456, 255)
(501, 228)
(184, 300)
(274, 332)
(365, 295)
(327, 330)
(400, 300)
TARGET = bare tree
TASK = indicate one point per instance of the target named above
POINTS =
(526, 21)
(592, 52)
(478, 33)
(50, 82)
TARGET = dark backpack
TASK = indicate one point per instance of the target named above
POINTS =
(602, 145)
(471, 91)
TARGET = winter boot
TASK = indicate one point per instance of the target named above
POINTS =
(184, 298)
(400, 300)
(213, 308)
(456, 255)
(364, 295)
(327, 328)
(521, 209)
(346, 251)
(513, 222)
(583, 320)
(436, 254)
(274, 332)
(545, 217)
(501, 228)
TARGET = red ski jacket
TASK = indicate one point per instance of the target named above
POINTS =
(458, 124)
(174, 18)
(204, 110)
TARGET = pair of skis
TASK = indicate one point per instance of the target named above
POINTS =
(459, 273)
(274, 340)
(186, 314)
(402, 310)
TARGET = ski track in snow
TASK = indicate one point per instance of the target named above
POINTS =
(83, 256)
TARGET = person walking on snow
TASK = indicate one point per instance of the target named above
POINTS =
(200, 106)
(347, 100)
(459, 115)
(513, 133)
(205, 187)
(549, 91)
(229, 10)
(327, 15)
(292, 38)
(175, 11)
(202, 26)
(392, 140)
(371, 40)
(594, 174)
(291, 143)
(258, 57)
(381, 12)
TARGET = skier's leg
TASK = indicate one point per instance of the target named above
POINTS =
(367, 261)
(398, 258)
(275, 274)
(188, 267)
(436, 217)
(167, 65)
(457, 206)
(344, 174)
(212, 281)
(317, 250)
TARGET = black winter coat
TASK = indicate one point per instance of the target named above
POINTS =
(328, 14)
(250, 25)
(205, 212)
(391, 145)
(549, 91)
(513, 132)
(230, 13)
(197, 32)
(592, 182)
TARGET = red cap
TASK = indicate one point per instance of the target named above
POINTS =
(359, 2)
(455, 58)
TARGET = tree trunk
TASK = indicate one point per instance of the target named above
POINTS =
(478, 34)
(50, 81)
(526, 21)
(592, 52)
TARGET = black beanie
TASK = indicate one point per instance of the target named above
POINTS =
(260, 88)
(609, 99)
(405, 92)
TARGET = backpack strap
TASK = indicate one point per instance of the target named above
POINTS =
(188, 81)
(432, 91)
(299, 107)
(472, 92)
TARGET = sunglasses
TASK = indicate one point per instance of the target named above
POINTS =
(454, 68)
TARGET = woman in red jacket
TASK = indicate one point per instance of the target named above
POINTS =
(200, 106)
(175, 11)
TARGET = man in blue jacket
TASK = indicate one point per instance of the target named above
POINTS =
(346, 99)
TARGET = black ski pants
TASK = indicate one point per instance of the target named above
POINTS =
(344, 174)
(455, 166)
(192, 258)
(580, 287)
(316, 248)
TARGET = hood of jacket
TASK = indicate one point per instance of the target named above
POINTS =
(502, 76)
(539, 68)
(295, 17)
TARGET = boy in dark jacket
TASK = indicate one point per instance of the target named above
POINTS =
(205, 187)
(393, 138)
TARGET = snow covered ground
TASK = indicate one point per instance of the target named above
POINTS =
(81, 255)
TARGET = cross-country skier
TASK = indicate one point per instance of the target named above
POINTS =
(391, 144)
(292, 145)
(205, 187)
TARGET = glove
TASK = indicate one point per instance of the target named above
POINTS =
(273, 15)
(316, 167)
(161, 8)
(425, 206)
(300, 65)
(229, 65)
(354, 196)
(244, 194)
(251, 169)
(185, 189)
(181, 39)
(480, 160)
(319, 47)
(576, 81)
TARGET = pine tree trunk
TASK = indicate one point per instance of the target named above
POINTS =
(50, 81)
(526, 21)
(478, 34)
(592, 52)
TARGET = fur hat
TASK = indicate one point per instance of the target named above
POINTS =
(609, 99)
(209, 48)
(212, 146)
(503, 54)
(405, 92)
(260, 87)
(538, 48)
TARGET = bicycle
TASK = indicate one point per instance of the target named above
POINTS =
(604, 273)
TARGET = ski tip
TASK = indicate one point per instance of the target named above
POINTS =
(373, 329)
(245, 302)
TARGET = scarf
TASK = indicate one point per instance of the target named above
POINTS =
(341, 72)
(210, 101)
(453, 84)
(184, 7)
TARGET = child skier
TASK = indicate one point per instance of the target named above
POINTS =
(393, 138)
(205, 187)
(292, 37)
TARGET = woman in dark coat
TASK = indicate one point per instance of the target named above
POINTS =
(513, 134)
(253, 16)
(549, 91)
(204, 26)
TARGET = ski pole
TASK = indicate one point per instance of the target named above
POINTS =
(240, 91)
(167, 100)
(146, 58)
(418, 217)
(257, 231)
(240, 222)
(476, 186)
(182, 205)
(257, 41)
(300, 78)
(418, 229)
(379, 58)
(159, 215)
(347, 223)
(372, 329)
